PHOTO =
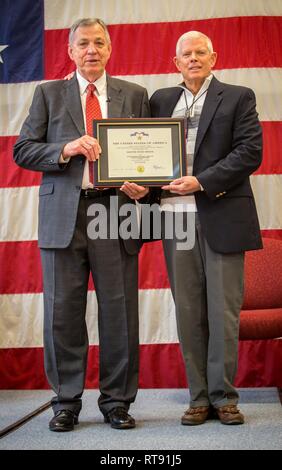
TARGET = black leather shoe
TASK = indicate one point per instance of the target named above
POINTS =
(120, 419)
(63, 421)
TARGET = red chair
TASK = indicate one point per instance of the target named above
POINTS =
(261, 314)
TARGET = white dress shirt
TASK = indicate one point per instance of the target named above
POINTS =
(188, 203)
(101, 93)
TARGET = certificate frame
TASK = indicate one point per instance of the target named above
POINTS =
(138, 152)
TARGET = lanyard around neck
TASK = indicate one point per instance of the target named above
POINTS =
(190, 109)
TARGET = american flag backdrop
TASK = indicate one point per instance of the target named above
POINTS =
(247, 34)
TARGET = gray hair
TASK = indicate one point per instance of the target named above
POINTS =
(88, 22)
(193, 35)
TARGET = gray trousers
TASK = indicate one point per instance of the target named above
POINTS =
(207, 288)
(65, 274)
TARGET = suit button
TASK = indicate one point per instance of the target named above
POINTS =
(78, 188)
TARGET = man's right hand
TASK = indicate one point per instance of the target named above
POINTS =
(85, 145)
(69, 76)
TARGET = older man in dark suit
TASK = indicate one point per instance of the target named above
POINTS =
(56, 141)
(224, 146)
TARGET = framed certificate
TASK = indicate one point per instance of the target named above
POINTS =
(149, 152)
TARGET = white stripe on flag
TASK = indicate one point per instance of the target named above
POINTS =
(268, 195)
(21, 321)
(18, 207)
(15, 99)
(13, 116)
(255, 78)
(61, 14)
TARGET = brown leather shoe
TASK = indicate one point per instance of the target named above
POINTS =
(194, 416)
(229, 414)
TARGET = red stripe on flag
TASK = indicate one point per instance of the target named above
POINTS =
(22, 369)
(277, 234)
(161, 366)
(12, 175)
(144, 48)
(21, 272)
(152, 268)
(272, 138)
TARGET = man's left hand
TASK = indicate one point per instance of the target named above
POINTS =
(133, 190)
(184, 185)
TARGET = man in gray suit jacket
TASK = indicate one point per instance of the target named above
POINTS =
(224, 146)
(53, 140)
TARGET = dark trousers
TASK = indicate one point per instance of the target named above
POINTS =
(115, 273)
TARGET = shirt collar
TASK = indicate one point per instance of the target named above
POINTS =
(100, 84)
(203, 88)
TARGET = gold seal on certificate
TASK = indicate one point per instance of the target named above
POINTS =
(149, 152)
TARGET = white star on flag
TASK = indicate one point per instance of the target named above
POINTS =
(2, 49)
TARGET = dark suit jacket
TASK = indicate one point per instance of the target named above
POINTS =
(55, 118)
(228, 149)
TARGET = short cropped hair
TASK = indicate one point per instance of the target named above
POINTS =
(88, 22)
(193, 35)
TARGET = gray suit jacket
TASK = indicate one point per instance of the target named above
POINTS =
(55, 118)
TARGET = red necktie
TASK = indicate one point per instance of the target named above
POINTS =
(92, 111)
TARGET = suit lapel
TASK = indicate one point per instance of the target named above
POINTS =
(170, 103)
(73, 103)
(116, 98)
(211, 104)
